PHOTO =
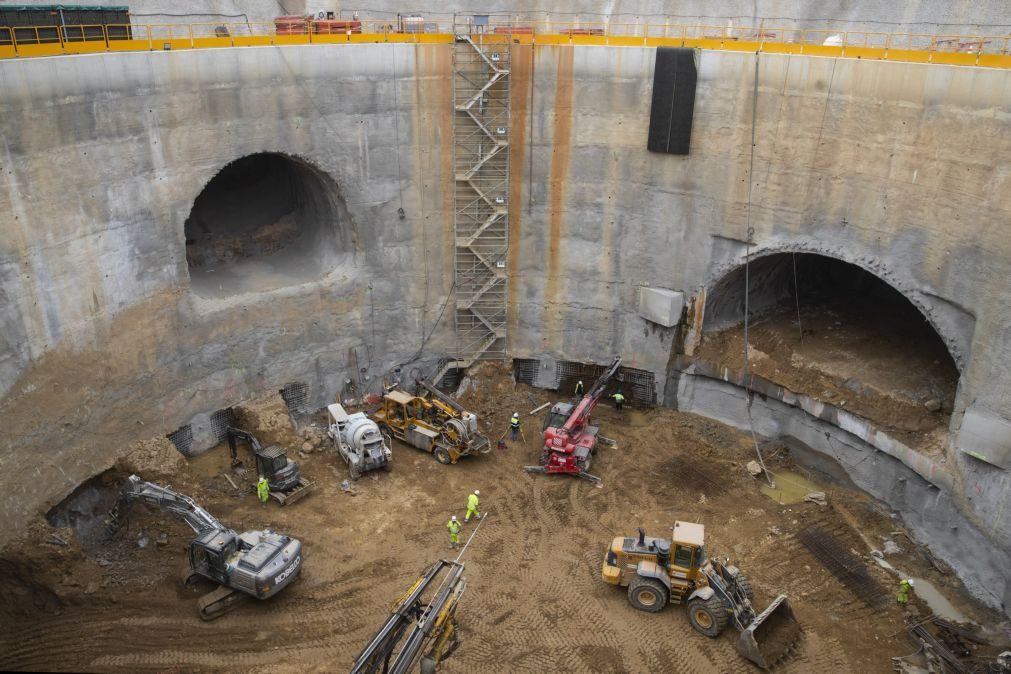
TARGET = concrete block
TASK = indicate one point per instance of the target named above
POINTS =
(662, 306)
(986, 436)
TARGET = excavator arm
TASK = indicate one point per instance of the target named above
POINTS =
(235, 434)
(171, 502)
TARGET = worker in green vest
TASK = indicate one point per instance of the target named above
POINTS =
(619, 400)
(579, 388)
(454, 533)
(903, 594)
(514, 424)
(472, 507)
(262, 490)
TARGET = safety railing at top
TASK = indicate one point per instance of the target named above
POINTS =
(976, 50)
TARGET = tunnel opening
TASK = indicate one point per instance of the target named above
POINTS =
(833, 331)
(264, 221)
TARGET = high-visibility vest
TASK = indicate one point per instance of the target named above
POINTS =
(618, 398)
(453, 526)
(515, 421)
(472, 501)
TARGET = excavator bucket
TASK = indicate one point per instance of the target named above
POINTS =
(771, 635)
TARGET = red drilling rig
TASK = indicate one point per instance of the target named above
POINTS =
(569, 439)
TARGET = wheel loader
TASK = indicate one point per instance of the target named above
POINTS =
(658, 571)
(254, 563)
(444, 429)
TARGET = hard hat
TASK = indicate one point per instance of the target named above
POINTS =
(453, 519)
(477, 492)
(911, 583)
(516, 414)
(580, 381)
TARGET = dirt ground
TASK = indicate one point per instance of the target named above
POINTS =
(876, 362)
(534, 602)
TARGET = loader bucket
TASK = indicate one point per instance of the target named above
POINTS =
(772, 634)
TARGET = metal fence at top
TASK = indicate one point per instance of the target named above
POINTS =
(983, 50)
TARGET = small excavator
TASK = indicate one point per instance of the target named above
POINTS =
(284, 479)
(658, 571)
(569, 440)
(419, 631)
(254, 563)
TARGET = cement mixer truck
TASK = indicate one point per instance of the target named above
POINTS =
(358, 441)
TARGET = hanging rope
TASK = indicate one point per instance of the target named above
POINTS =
(796, 296)
(747, 282)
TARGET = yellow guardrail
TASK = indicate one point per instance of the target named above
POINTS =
(978, 50)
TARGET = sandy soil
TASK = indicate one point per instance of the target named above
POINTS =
(856, 356)
(534, 601)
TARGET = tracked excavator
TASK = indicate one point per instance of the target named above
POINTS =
(284, 479)
(658, 571)
(420, 632)
(254, 563)
(570, 441)
(358, 441)
(433, 422)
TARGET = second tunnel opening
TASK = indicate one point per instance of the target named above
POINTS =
(835, 332)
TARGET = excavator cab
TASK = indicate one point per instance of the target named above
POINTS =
(272, 463)
(209, 554)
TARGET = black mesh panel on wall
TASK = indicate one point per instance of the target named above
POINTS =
(670, 118)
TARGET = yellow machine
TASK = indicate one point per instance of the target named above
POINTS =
(422, 630)
(437, 425)
(659, 571)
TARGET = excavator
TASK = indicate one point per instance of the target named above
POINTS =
(419, 631)
(569, 440)
(432, 422)
(658, 571)
(254, 563)
(284, 479)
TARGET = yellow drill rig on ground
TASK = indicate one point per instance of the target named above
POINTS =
(432, 422)
(659, 571)
(420, 631)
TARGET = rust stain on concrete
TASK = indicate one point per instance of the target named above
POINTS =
(521, 61)
(561, 154)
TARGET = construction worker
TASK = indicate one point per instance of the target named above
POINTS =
(579, 387)
(903, 594)
(514, 424)
(472, 505)
(262, 490)
(619, 399)
(454, 533)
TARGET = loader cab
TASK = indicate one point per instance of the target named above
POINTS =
(687, 553)
(210, 551)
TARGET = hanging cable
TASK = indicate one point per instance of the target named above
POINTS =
(396, 132)
(747, 281)
(796, 297)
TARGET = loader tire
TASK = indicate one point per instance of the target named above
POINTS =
(708, 616)
(647, 594)
(441, 455)
(745, 585)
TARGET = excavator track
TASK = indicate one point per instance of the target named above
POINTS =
(219, 602)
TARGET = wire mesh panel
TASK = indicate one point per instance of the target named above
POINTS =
(481, 164)
(296, 397)
(220, 421)
(525, 370)
(182, 438)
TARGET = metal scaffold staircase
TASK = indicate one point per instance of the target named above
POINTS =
(481, 165)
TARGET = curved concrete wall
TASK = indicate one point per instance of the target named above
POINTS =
(899, 168)
(102, 157)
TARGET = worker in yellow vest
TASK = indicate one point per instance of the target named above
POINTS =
(579, 388)
(454, 533)
(262, 490)
(472, 507)
(619, 400)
